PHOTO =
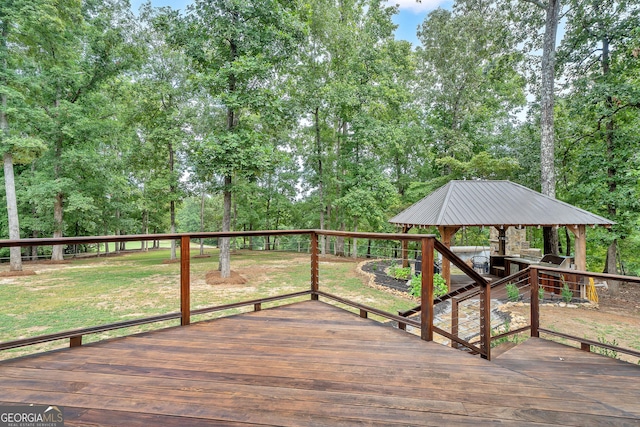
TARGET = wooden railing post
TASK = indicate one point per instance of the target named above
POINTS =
(535, 307)
(426, 296)
(185, 280)
(314, 265)
(485, 321)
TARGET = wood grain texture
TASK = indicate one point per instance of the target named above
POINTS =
(310, 364)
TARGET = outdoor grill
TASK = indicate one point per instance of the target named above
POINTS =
(556, 261)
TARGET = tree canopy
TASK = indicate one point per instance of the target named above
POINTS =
(273, 114)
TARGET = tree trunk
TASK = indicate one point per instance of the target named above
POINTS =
(34, 233)
(57, 253)
(15, 262)
(547, 142)
(354, 252)
(202, 222)
(146, 229)
(116, 245)
(612, 183)
(15, 254)
(322, 238)
(172, 205)
(225, 250)
(340, 241)
(232, 121)
(34, 249)
(611, 267)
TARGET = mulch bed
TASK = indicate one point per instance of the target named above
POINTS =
(17, 273)
(213, 278)
(377, 268)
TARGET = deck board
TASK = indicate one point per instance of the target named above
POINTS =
(306, 363)
(610, 381)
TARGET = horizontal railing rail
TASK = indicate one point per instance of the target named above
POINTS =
(185, 314)
(586, 344)
(75, 335)
(480, 289)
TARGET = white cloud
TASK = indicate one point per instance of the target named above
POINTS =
(417, 6)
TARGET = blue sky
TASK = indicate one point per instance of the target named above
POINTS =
(412, 13)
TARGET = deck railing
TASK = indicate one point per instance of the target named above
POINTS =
(473, 331)
(537, 285)
(427, 244)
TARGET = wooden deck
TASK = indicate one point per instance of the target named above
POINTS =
(312, 364)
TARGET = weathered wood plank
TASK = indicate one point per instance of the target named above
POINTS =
(301, 364)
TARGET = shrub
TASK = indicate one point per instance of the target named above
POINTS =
(439, 286)
(516, 338)
(402, 273)
(513, 293)
(540, 293)
(605, 351)
(567, 294)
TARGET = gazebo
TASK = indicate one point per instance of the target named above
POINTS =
(499, 204)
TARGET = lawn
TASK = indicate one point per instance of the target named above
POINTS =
(88, 292)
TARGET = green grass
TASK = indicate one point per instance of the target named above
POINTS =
(94, 291)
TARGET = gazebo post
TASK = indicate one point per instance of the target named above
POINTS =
(580, 233)
(502, 240)
(405, 246)
(446, 233)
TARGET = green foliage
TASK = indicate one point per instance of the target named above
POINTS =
(540, 293)
(439, 286)
(605, 351)
(567, 294)
(513, 293)
(310, 113)
(482, 165)
(398, 272)
(515, 338)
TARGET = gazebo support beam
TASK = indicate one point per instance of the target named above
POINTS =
(446, 233)
(405, 246)
(580, 233)
(502, 239)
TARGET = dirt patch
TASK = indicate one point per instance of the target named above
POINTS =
(213, 278)
(627, 300)
(171, 261)
(48, 262)
(17, 273)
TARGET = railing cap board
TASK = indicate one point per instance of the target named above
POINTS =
(47, 241)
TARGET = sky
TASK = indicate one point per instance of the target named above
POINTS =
(411, 13)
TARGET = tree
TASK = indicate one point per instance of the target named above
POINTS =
(529, 19)
(163, 96)
(470, 86)
(237, 47)
(602, 111)
(74, 48)
(20, 145)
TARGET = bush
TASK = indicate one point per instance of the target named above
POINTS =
(513, 293)
(400, 272)
(439, 286)
(567, 294)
